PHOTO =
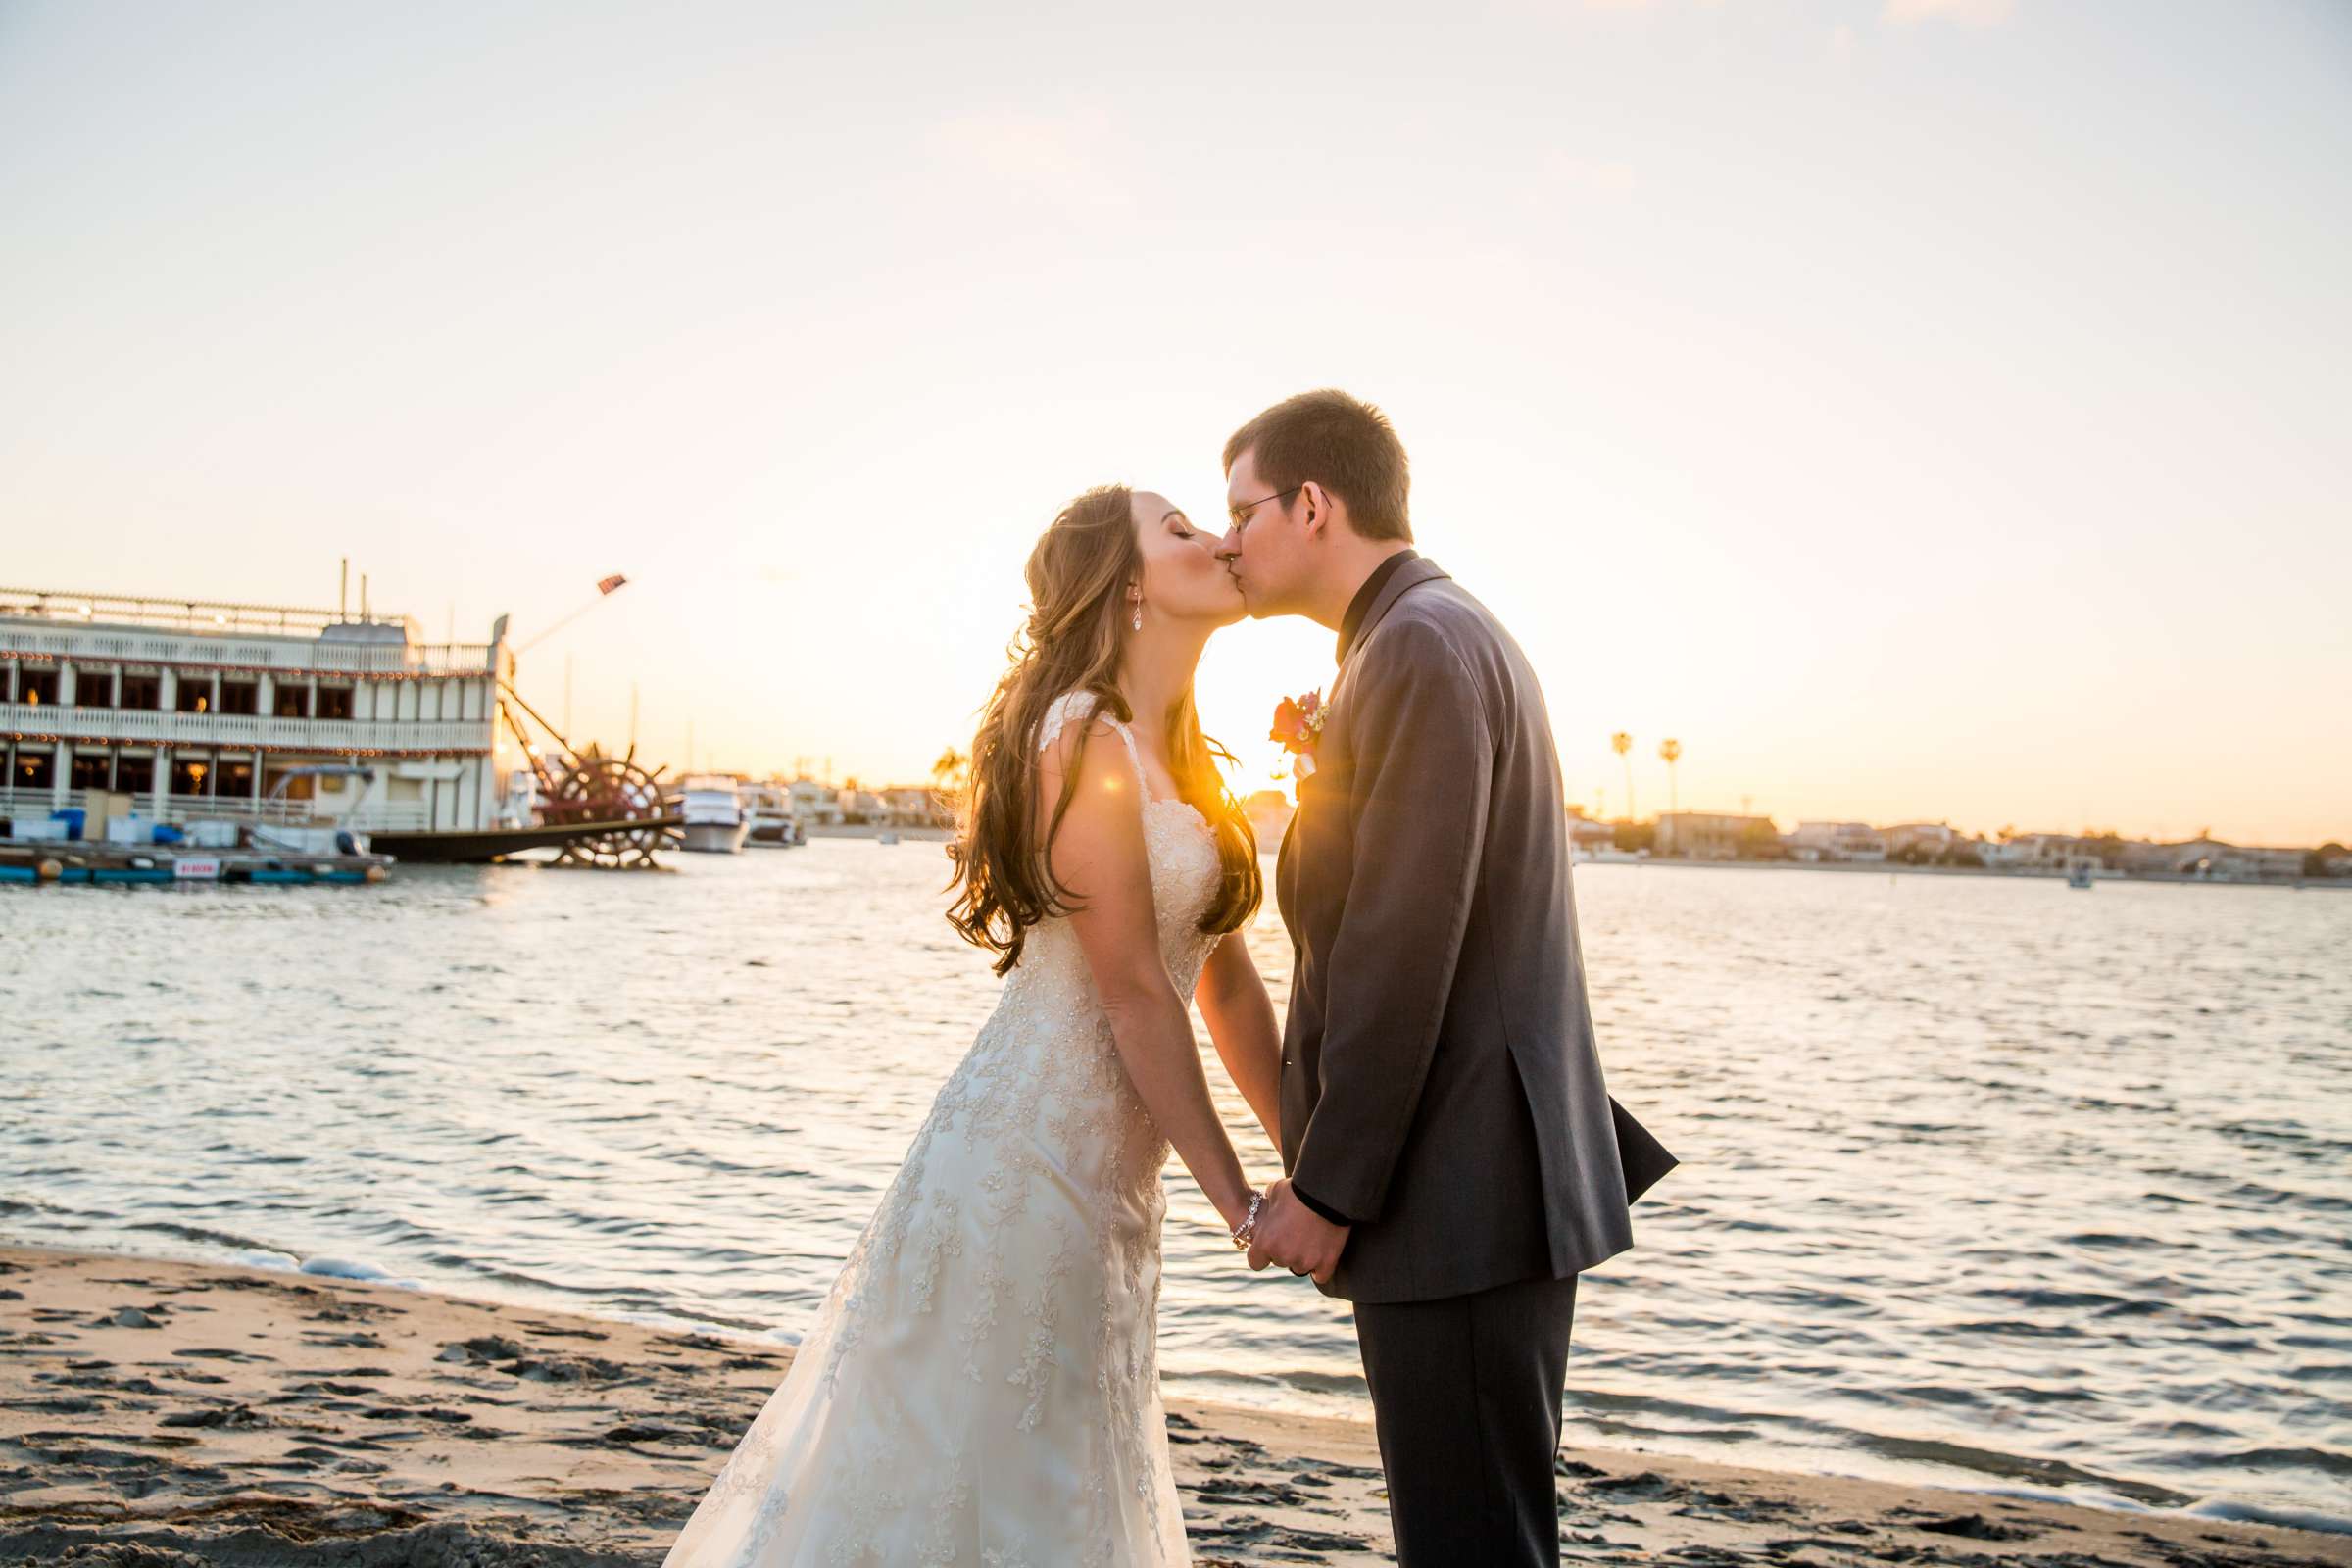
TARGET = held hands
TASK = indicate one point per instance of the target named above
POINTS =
(1294, 1236)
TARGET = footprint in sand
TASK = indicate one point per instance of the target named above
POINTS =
(1975, 1527)
(234, 1415)
(131, 1317)
(334, 1372)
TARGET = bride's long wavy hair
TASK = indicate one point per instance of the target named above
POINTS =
(1078, 574)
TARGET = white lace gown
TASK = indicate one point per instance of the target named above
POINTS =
(982, 1384)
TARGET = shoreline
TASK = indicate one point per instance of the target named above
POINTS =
(871, 830)
(177, 1414)
(1899, 868)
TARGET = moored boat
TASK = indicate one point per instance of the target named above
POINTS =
(716, 822)
(774, 825)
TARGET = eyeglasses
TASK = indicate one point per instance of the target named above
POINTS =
(1241, 514)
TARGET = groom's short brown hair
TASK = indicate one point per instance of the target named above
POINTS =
(1341, 443)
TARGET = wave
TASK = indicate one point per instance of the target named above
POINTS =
(2284, 1518)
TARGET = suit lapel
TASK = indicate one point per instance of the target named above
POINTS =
(1285, 860)
(1410, 576)
(1288, 870)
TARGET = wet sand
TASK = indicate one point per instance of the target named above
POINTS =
(166, 1415)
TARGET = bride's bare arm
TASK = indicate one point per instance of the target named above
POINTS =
(1241, 1021)
(1098, 856)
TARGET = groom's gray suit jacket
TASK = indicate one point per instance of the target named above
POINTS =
(1440, 1084)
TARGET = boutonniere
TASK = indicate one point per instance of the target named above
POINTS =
(1299, 725)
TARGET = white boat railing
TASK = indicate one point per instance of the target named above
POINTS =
(145, 724)
(195, 615)
(27, 806)
(377, 817)
(373, 816)
(224, 809)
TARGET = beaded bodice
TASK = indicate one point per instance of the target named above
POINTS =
(1186, 873)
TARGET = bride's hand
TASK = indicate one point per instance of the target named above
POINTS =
(1294, 1236)
(1241, 1225)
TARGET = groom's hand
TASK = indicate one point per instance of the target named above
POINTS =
(1294, 1236)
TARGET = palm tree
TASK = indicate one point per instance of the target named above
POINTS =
(1672, 750)
(949, 771)
(1621, 743)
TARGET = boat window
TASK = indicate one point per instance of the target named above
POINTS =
(134, 775)
(239, 696)
(141, 692)
(93, 688)
(36, 686)
(91, 770)
(335, 702)
(190, 775)
(32, 770)
(195, 694)
(293, 701)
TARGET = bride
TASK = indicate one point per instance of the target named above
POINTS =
(982, 1384)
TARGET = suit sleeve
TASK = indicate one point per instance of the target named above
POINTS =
(1423, 759)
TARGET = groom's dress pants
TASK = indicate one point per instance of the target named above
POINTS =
(1466, 1399)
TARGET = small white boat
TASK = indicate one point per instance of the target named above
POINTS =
(770, 808)
(2079, 875)
(716, 822)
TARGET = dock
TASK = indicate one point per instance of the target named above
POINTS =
(72, 862)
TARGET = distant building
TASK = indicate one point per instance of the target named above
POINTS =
(1586, 836)
(814, 803)
(1269, 814)
(2212, 858)
(1836, 841)
(2047, 852)
(1936, 838)
(914, 806)
(1711, 835)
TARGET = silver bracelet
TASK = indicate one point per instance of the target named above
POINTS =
(1247, 1230)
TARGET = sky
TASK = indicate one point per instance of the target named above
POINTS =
(1923, 409)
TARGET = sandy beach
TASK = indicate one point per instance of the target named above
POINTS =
(169, 1414)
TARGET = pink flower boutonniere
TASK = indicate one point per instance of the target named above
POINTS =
(1299, 725)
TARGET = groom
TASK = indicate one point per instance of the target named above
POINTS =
(1454, 1155)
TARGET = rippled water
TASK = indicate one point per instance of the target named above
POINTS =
(1987, 1181)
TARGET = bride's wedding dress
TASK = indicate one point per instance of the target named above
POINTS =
(982, 1384)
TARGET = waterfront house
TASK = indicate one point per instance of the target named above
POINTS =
(1836, 841)
(1269, 812)
(914, 806)
(1713, 835)
(1586, 836)
(862, 806)
(2047, 852)
(814, 803)
(1929, 838)
(2212, 859)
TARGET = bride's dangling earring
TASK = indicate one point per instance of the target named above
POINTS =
(1139, 613)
